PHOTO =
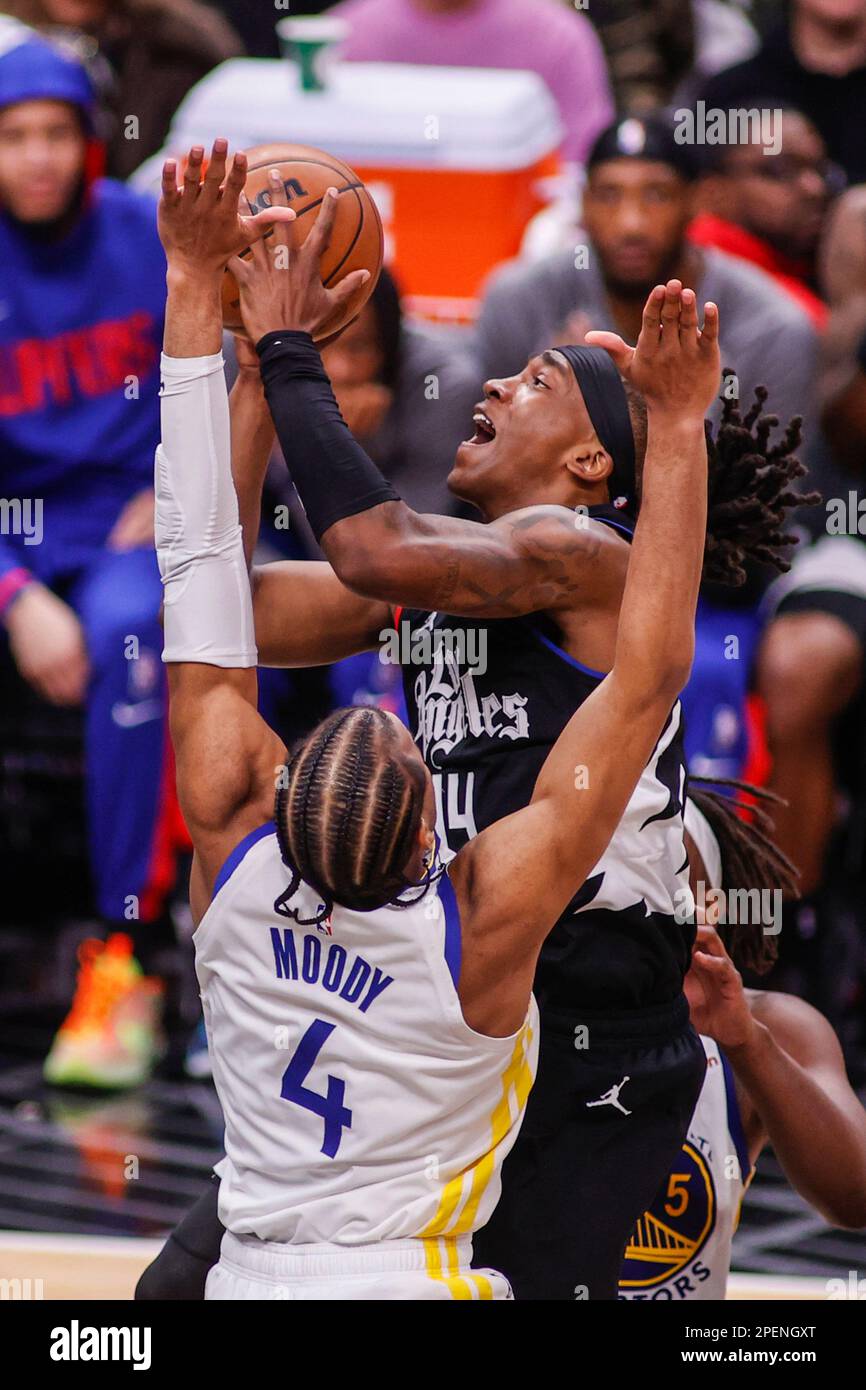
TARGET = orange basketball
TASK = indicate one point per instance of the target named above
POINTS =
(356, 239)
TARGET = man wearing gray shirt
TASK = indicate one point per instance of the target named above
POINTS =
(637, 205)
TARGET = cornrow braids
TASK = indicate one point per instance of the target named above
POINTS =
(749, 493)
(347, 810)
(750, 860)
(749, 490)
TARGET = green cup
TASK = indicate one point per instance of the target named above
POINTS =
(310, 41)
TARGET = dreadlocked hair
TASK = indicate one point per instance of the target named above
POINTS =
(748, 487)
(750, 860)
(749, 490)
(348, 808)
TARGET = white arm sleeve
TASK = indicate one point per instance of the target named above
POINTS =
(199, 546)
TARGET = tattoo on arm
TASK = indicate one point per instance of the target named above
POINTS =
(552, 556)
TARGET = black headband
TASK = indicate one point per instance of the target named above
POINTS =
(605, 399)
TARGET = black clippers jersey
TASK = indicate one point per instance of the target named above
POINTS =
(484, 727)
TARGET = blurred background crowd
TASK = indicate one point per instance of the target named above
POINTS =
(536, 177)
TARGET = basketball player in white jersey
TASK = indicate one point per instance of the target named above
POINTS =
(775, 1074)
(372, 1052)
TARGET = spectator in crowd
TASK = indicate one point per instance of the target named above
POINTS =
(256, 25)
(814, 59)
(811, 663)
(638, 204)
(649, 45)
(658, 50)
(544, 36)
(143, 57)
(82, 292)
(770, 210)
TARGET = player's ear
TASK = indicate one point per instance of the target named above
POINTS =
(591, 463)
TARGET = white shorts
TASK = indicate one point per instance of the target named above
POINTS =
(252, 1269)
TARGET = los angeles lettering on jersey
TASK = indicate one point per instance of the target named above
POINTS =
(331, 969)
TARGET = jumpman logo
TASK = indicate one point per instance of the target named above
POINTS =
(611, 1097)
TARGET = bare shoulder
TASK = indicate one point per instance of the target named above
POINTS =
(799, 1027)
(551, 532)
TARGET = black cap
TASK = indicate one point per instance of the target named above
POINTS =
(644, 137)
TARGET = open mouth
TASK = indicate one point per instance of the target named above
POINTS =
(484, 428)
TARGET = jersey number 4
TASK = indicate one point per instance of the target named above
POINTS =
(330, 1107)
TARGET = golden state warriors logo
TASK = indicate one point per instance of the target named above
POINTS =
(675, 1228)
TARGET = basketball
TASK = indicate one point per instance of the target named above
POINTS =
(356, 240)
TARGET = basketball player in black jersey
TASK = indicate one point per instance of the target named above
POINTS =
(620, 1067)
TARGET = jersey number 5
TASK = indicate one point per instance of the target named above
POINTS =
(330, 1107)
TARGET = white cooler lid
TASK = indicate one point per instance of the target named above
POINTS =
(376, 113)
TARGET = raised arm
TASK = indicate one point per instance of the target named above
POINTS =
(252, 435)
(376, 544)
(225, 752)
(516, 878)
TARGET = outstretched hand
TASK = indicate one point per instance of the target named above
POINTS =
(199, 221)
(676, 364)
(281, 287)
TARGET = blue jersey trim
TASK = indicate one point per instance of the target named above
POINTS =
(453, 937)
(735, 1120)
(617, 525)
(239, 853)
(578, 665)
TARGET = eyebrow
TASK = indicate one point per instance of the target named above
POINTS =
(551, 360)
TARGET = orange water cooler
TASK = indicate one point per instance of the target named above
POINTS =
(455, 157)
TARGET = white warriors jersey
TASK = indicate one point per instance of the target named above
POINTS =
(681, 1247)
(359, 1106)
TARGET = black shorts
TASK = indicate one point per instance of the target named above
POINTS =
(582, 1173)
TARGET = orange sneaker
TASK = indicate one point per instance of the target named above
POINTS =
(110, 1037)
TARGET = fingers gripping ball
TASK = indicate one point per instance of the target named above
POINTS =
(356, 241)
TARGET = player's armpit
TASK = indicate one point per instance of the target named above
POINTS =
(533, 560)
(305, 616)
